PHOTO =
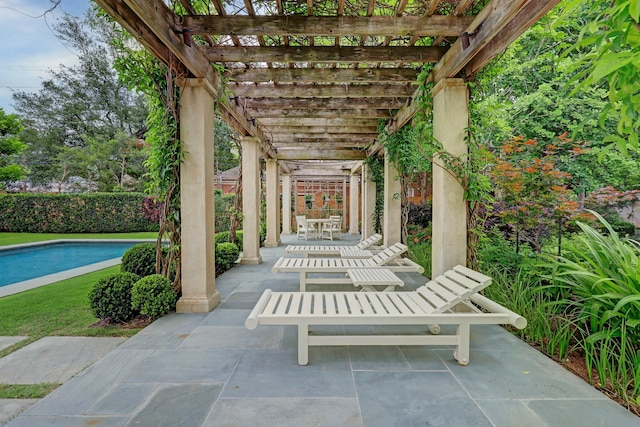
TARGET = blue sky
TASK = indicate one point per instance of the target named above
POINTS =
(28, 47)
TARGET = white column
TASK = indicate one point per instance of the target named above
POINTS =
(392, 203)
(251, 201)
(286, 204)
(354, 192)
(450, 121)
(197, 181)
(368, 203)
(273, 204)
(344, 201)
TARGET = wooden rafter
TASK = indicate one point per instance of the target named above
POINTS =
(329, 25)
(323, 91)
(358, 113)
(313, 83)
(327, 75)
(315, 54)
(312, 104)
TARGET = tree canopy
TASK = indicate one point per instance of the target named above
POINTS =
(10, 146)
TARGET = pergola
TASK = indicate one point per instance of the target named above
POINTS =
(306, 84)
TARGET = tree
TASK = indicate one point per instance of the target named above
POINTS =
(225, 146)
(119, 162)
(531, 190)
(612, 45)
(78, 104)
(10, 146)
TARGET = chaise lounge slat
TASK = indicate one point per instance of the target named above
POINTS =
(431, 304)
(390, 259)
(361, 250)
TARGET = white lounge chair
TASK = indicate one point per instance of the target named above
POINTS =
(430, 304)
(303, 228)
(389, 258)
(361, 250)
(333, 228)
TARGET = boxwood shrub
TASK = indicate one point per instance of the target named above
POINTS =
(223, 237)
(153, 296)
(140, 259)
(110, 297)
(226, 256)
(77, 213)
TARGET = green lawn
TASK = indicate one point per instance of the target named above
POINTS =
(15, 238)
(61, 308)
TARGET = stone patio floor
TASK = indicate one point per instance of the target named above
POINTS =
(208, 370)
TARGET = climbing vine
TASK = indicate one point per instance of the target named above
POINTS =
(470, 170)
(143, 72)
(375, 173)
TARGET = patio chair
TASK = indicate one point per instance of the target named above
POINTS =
(362, 249)
(333, 228)
(389, 258)
(303, 228)
(430, 304)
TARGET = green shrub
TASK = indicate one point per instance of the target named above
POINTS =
(77, 213)
(110, 297)
(223, 205)
(624, 228)
(223, 237)
(153, 296)
(240, 240)
(140, 259)
(226, 256)
(420, 253)
(603, 284)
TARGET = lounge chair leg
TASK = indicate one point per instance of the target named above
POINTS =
(303, 281)
(461, 354)
(303, 344)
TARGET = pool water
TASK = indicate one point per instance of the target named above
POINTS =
(17, 265)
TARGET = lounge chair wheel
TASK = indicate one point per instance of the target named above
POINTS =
(434, 329)
(463, 362)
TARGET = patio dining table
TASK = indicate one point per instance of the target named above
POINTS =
(319, 222)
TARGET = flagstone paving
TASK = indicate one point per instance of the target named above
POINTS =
(207, 370)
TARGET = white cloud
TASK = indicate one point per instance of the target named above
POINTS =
(29, 48)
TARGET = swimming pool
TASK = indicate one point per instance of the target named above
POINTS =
(36, 260)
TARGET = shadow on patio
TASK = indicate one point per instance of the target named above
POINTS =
(208, 370)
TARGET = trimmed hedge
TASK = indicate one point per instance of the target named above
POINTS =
(77, 213)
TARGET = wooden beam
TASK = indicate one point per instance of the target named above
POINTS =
(320, 154)
(322, 91)
(345, 139)
(326, 75)
(315, 54)
(318, 130)
(528, 15)
(356, 113)
(495, 31)
(488, 23)
(163, 22)
(154, 25)
(315, 173)
(285, 121)
(315, 145)
(141, 32)
(323, 103)
(298, 25)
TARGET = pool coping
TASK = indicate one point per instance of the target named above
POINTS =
(37, 282)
